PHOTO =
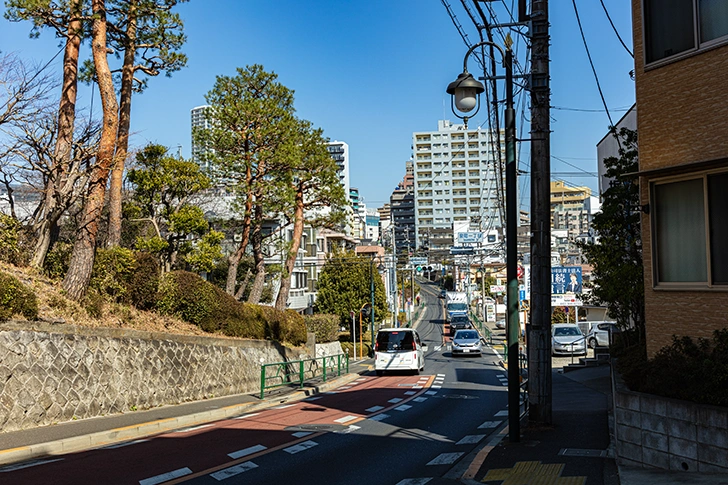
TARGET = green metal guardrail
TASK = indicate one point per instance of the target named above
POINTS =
(280, 374)
(484, 330)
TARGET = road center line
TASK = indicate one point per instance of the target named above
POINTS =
(166, 476)
(246, 451)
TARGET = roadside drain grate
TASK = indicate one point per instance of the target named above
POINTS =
(584, 453)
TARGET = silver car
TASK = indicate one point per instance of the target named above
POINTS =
(567, 339)
(466, 342)
(600, 334)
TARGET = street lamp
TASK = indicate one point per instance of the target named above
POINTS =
(464, 91)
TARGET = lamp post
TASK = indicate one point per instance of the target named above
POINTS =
(465, 95)
(380, 269)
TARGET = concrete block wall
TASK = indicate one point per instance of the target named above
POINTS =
(657, 432)
(55, 373)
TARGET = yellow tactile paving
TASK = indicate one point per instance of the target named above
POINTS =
(532, 473)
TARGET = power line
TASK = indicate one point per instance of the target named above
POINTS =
(591, 63)
(615, 30)
(562, 108)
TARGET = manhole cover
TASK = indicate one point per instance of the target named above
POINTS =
(583, 452)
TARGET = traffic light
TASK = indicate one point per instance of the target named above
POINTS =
(419, 269)
(429, 268)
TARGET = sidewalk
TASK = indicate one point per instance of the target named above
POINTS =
(575, 449)
(90, 433)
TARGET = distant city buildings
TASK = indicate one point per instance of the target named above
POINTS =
(340, 153)
(199, 120)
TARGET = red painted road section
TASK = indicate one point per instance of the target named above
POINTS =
(202, 450)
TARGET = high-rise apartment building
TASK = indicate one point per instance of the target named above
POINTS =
(340, 153)
(456, 179)
(199, 119)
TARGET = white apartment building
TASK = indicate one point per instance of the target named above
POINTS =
(456, 179)
(198, 119)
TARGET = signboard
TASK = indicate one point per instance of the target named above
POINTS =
(418, 261)
(490, 312)
(497, 288)
(461, 250)
(470, 237)
(565, 300)
(565, 280)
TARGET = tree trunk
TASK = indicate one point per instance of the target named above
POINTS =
(82, 258)
(287, 273)
(234, 259)
(257, 239)
(122, 139)
(64, 139)
(243, 285)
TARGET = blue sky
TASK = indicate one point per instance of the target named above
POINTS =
(372, 72)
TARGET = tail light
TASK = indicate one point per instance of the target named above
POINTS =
(376, 346)
(414, 345)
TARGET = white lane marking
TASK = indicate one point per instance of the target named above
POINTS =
(165, 477)
(445, 459)
(344, 388)
(193, 428)
(394, 400)
(12, 468)
(348, 430)
(489, 424)
(436, 387)
(414, 481)
(247, 416)
(345, 419)
(470, 439)
(300, 447)
(501, 413)
(379, 417)
(431, 393)
(301, 434)
(504, 383)
(416, 387)
(403, 407)
(363, 379)
(420, 399)
(440, 375)
(309, 399)
(374, 409)
(438, 348)
(284, 406)
(410, 393)
(246, 451)
(121, 445)
(233, 470)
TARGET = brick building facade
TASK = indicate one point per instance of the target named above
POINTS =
(681, 67)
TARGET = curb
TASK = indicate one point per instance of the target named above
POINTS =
(151, 428)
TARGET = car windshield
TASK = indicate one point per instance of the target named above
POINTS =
(457, 307)
(466, 335)
(395, 341)
(566, 332)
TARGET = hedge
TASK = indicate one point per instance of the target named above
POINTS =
(16, 298)
(194, 300)
(326, 327)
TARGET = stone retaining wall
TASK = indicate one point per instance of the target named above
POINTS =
(658, 432)
(55, 373)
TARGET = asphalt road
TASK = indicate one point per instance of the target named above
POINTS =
(377, 430)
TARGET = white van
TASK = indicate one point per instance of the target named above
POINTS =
(399, 349)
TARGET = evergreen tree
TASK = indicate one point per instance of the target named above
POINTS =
(617, 277)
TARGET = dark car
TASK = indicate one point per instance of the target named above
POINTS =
(443, 294)
(458, 322)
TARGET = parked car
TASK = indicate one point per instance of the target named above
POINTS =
(501, 324)
(600, 334)
(466, 342)
(458, 322)
(399, 349)
(567, 339)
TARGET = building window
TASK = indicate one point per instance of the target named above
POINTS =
(671, 26)
(690, 231)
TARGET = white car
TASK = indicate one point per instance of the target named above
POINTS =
(399, 349)
(567, 339)
(600, 334)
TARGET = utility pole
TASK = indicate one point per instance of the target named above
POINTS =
(539, 333)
